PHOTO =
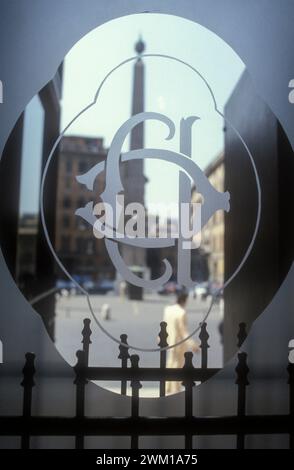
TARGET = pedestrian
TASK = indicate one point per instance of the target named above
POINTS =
(176, 318)
(106, 312)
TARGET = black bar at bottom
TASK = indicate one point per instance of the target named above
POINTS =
(230, 425)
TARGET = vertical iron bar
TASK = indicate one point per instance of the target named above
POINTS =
(27, 384)
(135, 386)
(162, 344)
(86, 341)
(204, 336)
(80, 383)
(124, 356)
(242, 371)
(188, 384)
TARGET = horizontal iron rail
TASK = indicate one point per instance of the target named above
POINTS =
(142, 426)
(147, 374)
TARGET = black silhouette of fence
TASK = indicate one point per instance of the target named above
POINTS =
(136, 425)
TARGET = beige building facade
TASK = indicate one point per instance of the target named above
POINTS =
(212, 242)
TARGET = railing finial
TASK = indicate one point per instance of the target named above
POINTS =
(29, 371)
(86, 341)
(188, 365)
(163, 335)
(204, 336)
(124, 348)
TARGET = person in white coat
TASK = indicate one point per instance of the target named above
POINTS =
(176, 318)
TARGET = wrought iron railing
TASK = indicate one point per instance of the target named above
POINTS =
(136, 425)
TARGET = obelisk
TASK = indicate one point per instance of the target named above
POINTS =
(134, 179)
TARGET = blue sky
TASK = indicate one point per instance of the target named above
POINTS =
(171, 89)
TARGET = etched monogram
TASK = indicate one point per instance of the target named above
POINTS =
(189, 171)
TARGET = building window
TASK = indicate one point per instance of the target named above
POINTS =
(81, 224)
(85, 246)
(66, 221)
(90, 245)
(83, 166)
(68, 166)
(66, 203)
(68, 183)
(79, 245)
(81, 202)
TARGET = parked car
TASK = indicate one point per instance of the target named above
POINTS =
(89, 286)
(104, 286)
(101, 287)
(66, 287)
(170, 287)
